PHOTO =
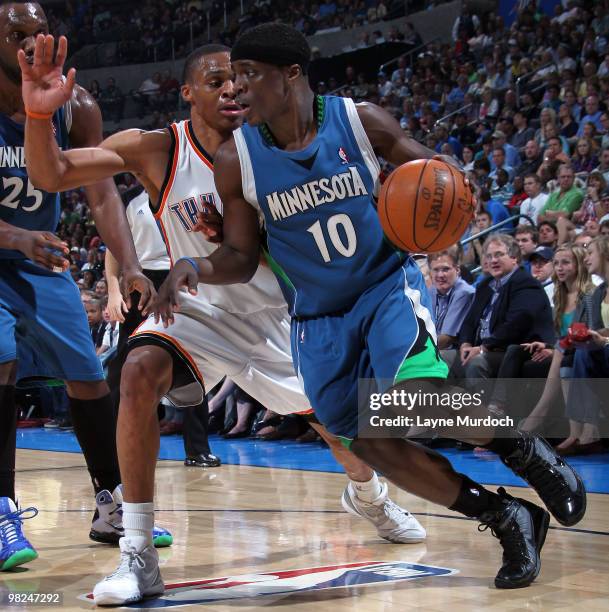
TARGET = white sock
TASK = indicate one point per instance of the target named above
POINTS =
(368, 491)
(138, 520)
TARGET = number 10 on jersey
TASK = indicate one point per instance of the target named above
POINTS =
(345, 245)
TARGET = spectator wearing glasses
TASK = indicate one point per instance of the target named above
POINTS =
(509, 307)
(450, 296)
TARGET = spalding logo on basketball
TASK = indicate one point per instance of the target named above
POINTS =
(425, 206)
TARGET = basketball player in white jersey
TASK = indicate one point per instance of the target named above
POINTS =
(241, 330)
(152, 255)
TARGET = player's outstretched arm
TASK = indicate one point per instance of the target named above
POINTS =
(103, 198)
(236, 259)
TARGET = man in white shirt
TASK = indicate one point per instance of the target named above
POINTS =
(536, 200)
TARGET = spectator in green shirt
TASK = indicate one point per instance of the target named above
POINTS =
(565, 200)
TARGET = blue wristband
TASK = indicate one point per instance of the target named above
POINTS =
(192, 261)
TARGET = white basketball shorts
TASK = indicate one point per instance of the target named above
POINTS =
(252, 349)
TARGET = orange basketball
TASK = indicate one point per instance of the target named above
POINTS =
(425, 206)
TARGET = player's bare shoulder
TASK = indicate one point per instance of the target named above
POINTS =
(378, 124)
(83, 119)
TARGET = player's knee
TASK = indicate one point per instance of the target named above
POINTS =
(143, 378)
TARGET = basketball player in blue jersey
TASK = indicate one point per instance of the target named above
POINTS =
(40, 306)
(359, 309)
(174, 165)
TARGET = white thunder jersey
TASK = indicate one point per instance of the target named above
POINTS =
(188, 187)
(239, 331)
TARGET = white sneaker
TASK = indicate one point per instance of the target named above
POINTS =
(107, 526)
(136, 577)
(392, 522)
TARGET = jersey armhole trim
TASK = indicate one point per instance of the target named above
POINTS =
(172, 163)
(363, 142)
(248, 182)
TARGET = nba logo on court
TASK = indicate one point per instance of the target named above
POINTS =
(280, 584)
(343, 155)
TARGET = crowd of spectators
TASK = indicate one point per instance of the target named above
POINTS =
(152, 30)
(539, 148)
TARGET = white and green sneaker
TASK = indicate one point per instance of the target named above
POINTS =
(107, 526)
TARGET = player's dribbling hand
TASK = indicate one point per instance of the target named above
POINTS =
(209, 223)
(43, 248)
(447, 159)
(136, 280)
(167, 300)
(43, 87)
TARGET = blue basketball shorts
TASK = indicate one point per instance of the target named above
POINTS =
(43, 319)
(387, 336)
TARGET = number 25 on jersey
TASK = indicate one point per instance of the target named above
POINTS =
(16, 190)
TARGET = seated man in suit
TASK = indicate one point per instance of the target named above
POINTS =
(510, 307)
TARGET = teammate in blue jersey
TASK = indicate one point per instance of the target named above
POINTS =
(360, 310)
(40, 307)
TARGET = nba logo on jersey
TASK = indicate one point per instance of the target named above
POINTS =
(280, 584)
(343, 155)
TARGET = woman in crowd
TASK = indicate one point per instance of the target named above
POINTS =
(572, 303)
(590, 207)
(591, 361)
(568, 127)
(583, 160)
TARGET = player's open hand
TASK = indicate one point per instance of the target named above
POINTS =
(43, 86)
(136, 280)
(167, 301)
(209, 223)
(43, 248)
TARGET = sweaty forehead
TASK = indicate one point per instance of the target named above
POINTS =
(20, 15)
(215, 63)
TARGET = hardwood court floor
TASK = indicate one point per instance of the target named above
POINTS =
(238, 520)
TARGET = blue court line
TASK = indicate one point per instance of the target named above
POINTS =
(288, 454)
